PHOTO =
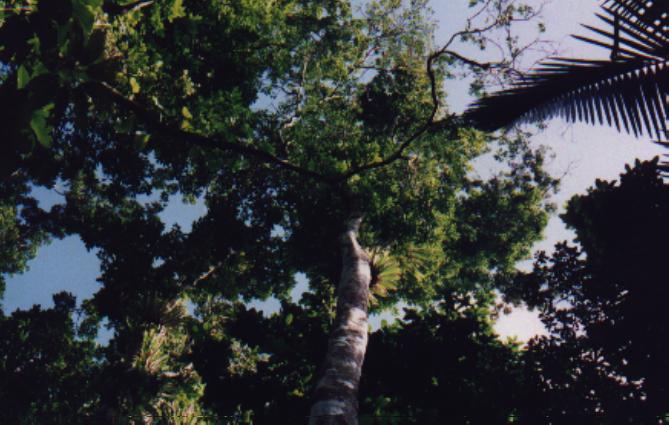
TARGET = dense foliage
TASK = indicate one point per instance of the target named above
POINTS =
(602, 303)
(281, 117)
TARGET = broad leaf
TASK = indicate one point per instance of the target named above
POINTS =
(84, 14)
(134, 85)
(38, 123)
(177, 10)
(22, 77)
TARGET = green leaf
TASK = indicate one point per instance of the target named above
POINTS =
(95, 48)
(22, 77)
(41, 91)
(186, 113)
(125, 126)
(84, 14)
(134, 85)
(289, 319)
(141, 140)
(38, 123)
(63, 39)
(176, 11)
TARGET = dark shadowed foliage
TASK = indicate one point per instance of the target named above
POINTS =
(279, 119)
(604, 305)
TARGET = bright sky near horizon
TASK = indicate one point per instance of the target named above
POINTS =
(581, 153)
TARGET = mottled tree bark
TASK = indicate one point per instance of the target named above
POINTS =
(335, 399)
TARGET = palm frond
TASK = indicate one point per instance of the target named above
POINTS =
(386, 273)
(628, 92)
(650, 15)
(410, 266)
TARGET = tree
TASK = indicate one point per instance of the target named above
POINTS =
(439, 364)
(628, 91)
(47, 365)
(291, 121)
(448, 366)
(603, 305)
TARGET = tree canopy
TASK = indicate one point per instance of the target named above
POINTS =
(601, 301)
(283, 118)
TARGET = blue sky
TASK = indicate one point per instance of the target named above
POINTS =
(581, 153)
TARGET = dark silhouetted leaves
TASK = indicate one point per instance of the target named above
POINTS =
(627, 92)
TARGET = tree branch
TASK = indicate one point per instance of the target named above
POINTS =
(470, 62)
(418, 133)
(154, 123)
(117, 9)
(500, 20)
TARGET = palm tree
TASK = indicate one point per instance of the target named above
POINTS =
(629, 91)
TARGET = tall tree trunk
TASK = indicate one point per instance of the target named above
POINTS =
(335, 399)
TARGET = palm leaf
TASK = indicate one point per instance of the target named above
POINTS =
(386, 273)
(390, 270)
(649, 14)
(628, 92)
